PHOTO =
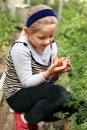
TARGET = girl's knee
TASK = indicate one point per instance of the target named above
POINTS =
(56, 93)
(61, 95)
(57, 97)
(64, 93)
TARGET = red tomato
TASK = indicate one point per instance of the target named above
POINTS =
(60, 61)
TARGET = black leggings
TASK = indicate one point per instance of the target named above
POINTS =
(39, 103)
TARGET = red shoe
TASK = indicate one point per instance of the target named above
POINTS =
(20, 125)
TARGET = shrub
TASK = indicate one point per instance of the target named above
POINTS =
(72, 41)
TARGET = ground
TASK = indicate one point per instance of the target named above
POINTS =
(4, 50)
(6, 118)
(6, 115)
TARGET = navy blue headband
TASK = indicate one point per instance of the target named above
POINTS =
(38, 15)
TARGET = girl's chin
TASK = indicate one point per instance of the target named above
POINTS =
(41, 50)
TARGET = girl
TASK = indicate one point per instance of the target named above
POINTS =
(29, 86)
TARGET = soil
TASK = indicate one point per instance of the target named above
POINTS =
(6, 114)
(6, 118)
(4, 50)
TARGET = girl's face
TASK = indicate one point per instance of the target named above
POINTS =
(42, 38)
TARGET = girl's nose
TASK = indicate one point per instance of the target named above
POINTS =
(47, 41)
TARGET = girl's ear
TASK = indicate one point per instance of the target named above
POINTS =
(26, 30)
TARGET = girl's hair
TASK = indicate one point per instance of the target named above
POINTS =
(39, 23)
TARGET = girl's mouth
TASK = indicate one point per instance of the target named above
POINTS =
(44, 46)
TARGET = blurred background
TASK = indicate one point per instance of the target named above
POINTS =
(71, 38)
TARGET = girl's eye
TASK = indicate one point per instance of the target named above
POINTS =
(51, 36)
(41, 38)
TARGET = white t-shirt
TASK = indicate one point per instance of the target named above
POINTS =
(21, 56)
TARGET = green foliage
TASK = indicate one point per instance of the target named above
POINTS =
(79, 115)
(35, 2)
(72, 41)
(83, 126)
(7, 26)
(46, 2)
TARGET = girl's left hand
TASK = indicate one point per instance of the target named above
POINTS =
(67, 69)
(54, 71)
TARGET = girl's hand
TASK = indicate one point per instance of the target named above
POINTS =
(61, 62)
(54, 71)
(68, 67)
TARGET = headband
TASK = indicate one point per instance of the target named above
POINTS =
(38, 15)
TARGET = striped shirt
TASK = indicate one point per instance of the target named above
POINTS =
(30, 75)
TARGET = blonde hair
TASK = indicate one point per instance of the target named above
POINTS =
(39, 23)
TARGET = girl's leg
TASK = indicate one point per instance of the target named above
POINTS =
(52, 100)
(38, 102)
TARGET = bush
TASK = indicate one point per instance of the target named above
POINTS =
(7, 26)
(72, 41)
